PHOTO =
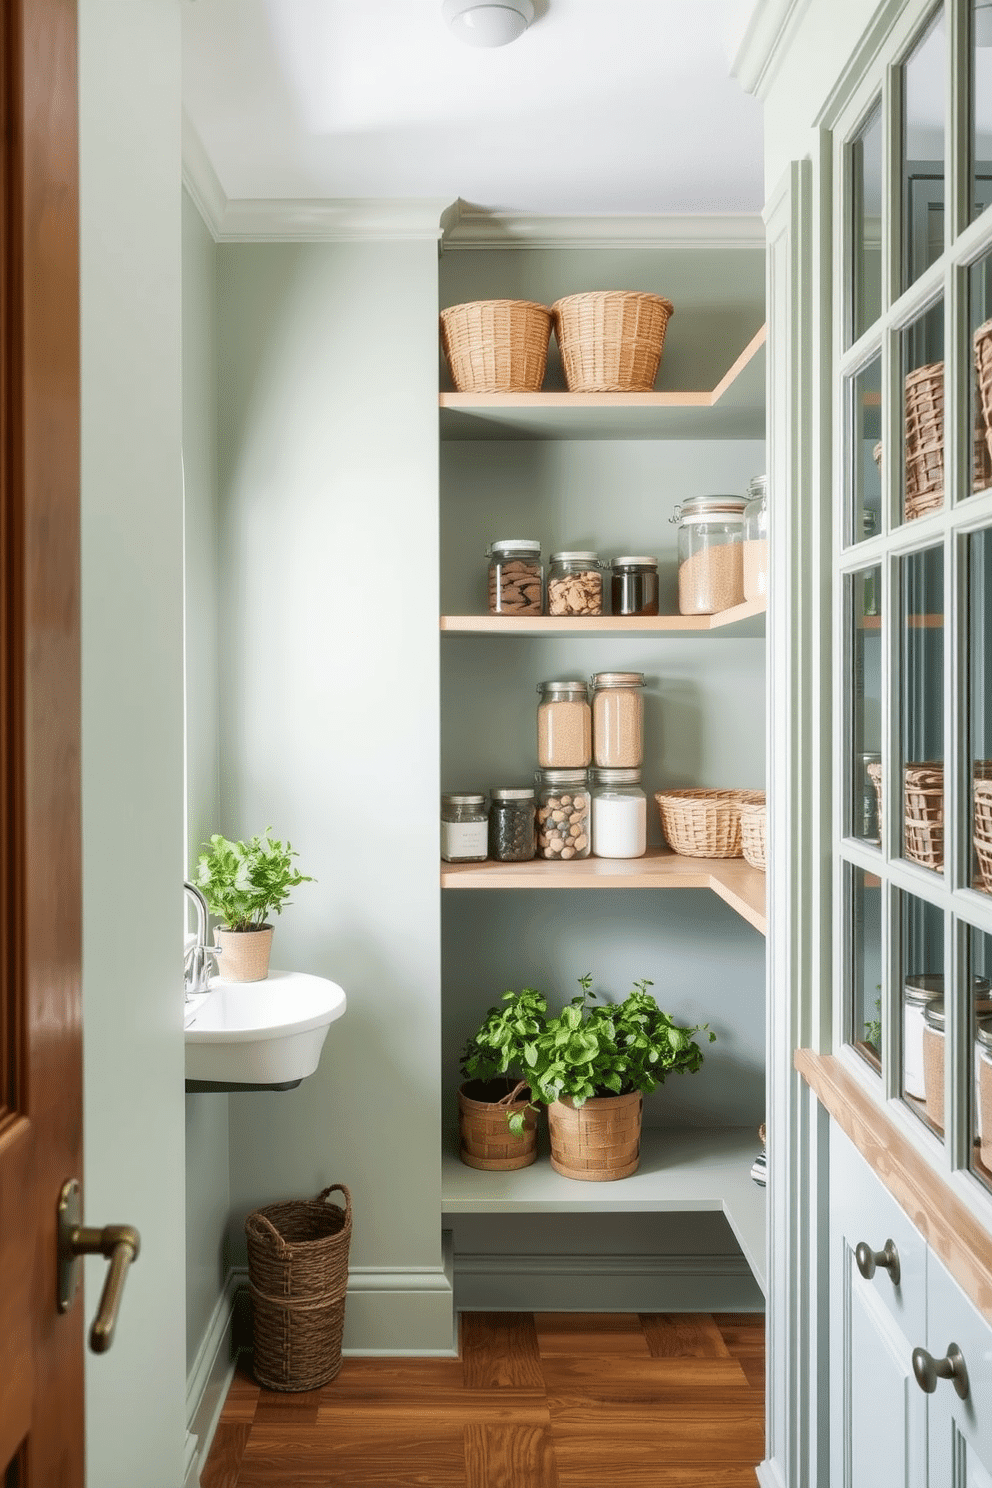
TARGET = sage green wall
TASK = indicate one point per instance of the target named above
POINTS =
(132, 723)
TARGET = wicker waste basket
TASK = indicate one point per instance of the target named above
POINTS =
(298, 1276)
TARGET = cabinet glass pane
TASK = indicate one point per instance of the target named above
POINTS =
(866, 720)
(864, 896)
(922, 707)
(864, 402)
(924, 85)
(865, 166)
(980, 412)
(923, 413)
(980, 704)
(981, 106)
(922, 1007)
(980, 957)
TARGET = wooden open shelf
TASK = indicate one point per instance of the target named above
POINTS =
(733, 880)
(743, 619)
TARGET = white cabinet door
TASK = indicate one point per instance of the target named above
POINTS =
(960, 1429)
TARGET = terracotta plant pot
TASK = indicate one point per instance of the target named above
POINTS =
(244, 954)
(486, 1139)
(598, 1141)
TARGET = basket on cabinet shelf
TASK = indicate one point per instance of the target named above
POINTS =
(982, 346)
(925, 438)
(982, 831)
(699, 823)
(611, 340)
(496, 346)
(754, 830)
(923, 811)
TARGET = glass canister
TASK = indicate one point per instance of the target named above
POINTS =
(575, 584)
(983, 1084)
(711, 553)
(563, 814)
(516, 577)
(619, 814)
(618, 720)
(634, 586)
(512, 837)
(564, 726)
(920, 989)
(934, 1019)
(464, 828)
(756, 539)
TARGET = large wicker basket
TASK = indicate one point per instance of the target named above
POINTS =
(598, 1141)
(925, 434)
(704, 823)
(754, 848)
(611, 340)
(496, 346)
(298, 1277)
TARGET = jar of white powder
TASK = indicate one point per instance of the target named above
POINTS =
(711, 554)
(619, 814)
(756, 539)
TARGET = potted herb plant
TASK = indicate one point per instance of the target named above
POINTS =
(243, 883)
(496, 1122)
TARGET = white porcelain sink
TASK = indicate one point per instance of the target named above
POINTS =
(250, 1035)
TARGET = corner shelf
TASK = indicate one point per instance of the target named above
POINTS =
(731, 879)
(745, 620)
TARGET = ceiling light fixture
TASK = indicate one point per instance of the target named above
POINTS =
(488, 23)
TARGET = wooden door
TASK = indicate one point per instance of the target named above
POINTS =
(41, 1351)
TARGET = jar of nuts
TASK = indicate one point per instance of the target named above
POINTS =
(564, 726)
(516, 577)
(575, 584)
(562, 814)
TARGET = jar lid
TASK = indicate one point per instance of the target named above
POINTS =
(576, 689)
(935, 1013)
(923, 987)
(983, 1031)
(525, 793)
(462, 800)
(618, 679)
(525, 544)
(605, 776)
(574, 557)
(757, 486)
(714, 508)
(635, 562)
(563, 777)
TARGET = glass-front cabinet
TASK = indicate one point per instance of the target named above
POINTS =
(913, 589)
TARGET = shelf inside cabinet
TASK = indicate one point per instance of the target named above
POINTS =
(681, 1169)
(743, 620)
(734, 409)
(732, 879)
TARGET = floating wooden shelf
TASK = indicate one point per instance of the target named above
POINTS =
(745, 620)
(681, 1169)
(733, 880)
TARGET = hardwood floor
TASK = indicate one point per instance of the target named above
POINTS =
(536, 1400)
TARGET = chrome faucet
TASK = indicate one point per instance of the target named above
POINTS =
(197, 959)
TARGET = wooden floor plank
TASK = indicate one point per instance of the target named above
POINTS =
(242, 1397)
(563, 1333)
(226, 1455)
(659, 1475)
(628, 1378)
(378, 1376)
(451, 1407)
(680, 1335)
(353, 1456)
(500, 1348)
(509, 1457)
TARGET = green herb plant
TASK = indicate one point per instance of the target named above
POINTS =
(498, 1046)
(244, 882)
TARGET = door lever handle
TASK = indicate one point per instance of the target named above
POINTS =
(121, 1245)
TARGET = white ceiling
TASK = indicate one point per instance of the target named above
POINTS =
(602, 106)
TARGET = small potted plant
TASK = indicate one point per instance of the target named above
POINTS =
(592, 1067)
(243, 883)
(496, 1122)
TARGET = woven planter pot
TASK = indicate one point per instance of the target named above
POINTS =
(496, 346)
(611, 341)
(598, 1141)
(244, 954)
(486, 1140)
(298, 1277)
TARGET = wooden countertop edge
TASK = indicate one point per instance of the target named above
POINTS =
(944, 1221)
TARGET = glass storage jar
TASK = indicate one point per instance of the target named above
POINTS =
(511, 825)
(516, 577)
(619, 814)
(575, 584)
(756, 539)
(920, 989)
(711, 554)
(564, 726)
(563, 814)
(983, 1087)
(464, 828)
(634, 586)
(618, 720)
(934, 1019)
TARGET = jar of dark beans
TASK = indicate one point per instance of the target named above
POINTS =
(511, 826)
(634, 586)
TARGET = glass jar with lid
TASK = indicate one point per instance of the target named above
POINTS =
(618, 720)
(920, 990)
(464, 828)
(575, 584)
(511, 825)
(634, 585)
(756, 539)
(711, 553)
(563, 814)
(564, 726)
(983, 1087)
(934, 1021)
(619, 814)
(516, 577)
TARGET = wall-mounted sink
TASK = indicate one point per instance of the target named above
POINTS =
(259, 1035)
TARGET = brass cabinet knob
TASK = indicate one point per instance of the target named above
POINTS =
(929, 1370)
(887, 1258)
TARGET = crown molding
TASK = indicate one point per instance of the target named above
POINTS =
(200, 179)
(470, 227)
(764, 39)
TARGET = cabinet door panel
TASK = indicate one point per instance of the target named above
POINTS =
(960, 1430)
(885, 1425)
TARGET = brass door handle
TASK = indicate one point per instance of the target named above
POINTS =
(887, 1258)
(929, 1370)
(119, 1243)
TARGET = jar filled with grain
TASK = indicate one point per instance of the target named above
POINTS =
(634, 585)
(564, 726)
(464, 828)
(619, 814)
(575, 584)
(920, 989)
(711, 554)
(511, 825)
(562, 814)
(516, 577)
(756, 539)
(618, 720)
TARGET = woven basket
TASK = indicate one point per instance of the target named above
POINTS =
(923, 811)
(983, 835)
(298, 1276)
(611, 341)
(704, 823)
(496, 346)
(598, 1141)
(486, 1140)
(983, 376)
(925, 435)
(754, 827)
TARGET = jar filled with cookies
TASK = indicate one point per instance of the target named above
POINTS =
(563, 814)
(575, 584)
(516, 577)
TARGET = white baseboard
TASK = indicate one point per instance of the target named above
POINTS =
(768, 1474)
(493, 1282)
(209, 1380)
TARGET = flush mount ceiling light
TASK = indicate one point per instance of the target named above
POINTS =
(488, 23)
